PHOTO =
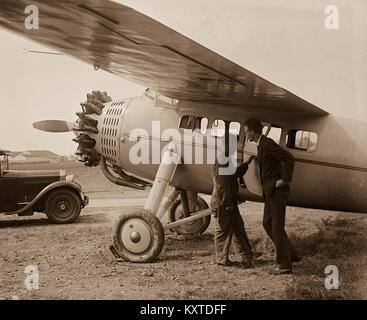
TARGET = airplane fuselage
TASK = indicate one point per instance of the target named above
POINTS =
(332, 175)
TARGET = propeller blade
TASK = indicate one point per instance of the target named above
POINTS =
(54, 125)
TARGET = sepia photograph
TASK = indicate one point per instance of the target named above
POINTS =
(183, 154)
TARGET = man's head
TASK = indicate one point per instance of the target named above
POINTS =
(253, 129)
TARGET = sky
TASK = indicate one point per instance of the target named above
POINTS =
(285, 42)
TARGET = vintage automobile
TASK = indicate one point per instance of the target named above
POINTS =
(24, 192)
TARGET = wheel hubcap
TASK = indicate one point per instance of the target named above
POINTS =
(136, 236)
(63, 205)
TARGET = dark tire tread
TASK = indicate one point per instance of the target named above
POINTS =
(71, 196)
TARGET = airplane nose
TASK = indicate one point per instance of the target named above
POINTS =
(99, 142)
(98, 130)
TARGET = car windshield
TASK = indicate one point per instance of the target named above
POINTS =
(3, 163)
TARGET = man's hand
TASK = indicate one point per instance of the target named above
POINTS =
(249, 160)
(230, 209)
(280, 183)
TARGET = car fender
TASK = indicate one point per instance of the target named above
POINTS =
(55, 185)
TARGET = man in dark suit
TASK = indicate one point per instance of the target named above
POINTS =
(276, 170)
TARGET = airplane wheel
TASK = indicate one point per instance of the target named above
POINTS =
(62, 206)
(191, 228)
(138, 236)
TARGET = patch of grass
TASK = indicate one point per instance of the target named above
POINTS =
(338, 242)
(187, 292)
(225, 294)
(334, 239)
(306, 289)
(266, 246)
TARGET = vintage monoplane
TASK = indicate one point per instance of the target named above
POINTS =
(200, 94)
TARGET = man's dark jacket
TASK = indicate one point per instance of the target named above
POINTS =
(275, 163)
(225, 192)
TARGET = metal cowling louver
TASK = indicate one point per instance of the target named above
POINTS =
(110, 132)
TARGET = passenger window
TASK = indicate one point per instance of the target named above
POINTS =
(302, 140)
(234, 128)
(203, 125)
(197, 123)
(274, 133)
(218, 128)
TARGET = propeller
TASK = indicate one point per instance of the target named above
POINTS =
(54, 125)
(84, 127)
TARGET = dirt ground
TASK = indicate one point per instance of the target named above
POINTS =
(74, 261)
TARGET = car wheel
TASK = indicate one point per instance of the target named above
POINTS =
(62, 206)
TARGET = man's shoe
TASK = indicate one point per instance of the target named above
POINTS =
(258, 254)
(281, 270)
(297, 259)
(247, 262)
(227, 263)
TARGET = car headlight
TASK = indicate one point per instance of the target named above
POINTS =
(62, 174)
(69, 177)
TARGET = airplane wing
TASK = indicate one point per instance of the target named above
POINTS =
(127, 43)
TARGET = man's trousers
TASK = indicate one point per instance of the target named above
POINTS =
(229, 225)
(274, 222)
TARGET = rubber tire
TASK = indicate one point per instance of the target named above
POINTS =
(200, 205)
(158, 236)
(71, 197)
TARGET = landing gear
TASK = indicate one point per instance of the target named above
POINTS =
(138, 236)
(190, 228)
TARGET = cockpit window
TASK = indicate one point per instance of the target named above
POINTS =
(160, 97)
(167, 99)
(150, 94)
